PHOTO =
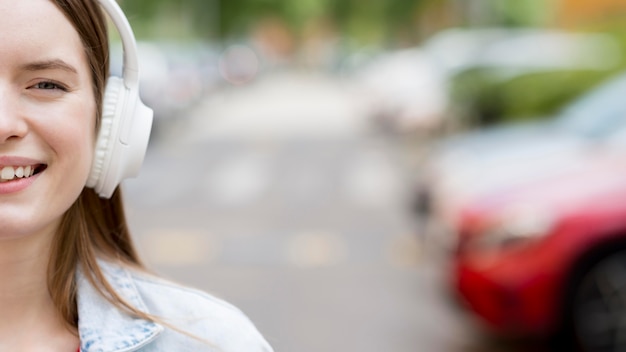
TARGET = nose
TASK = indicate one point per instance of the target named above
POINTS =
(13, 125)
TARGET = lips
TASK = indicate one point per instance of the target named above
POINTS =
(9, 173)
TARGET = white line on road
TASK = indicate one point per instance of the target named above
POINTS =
(178, 247)
(315, 249)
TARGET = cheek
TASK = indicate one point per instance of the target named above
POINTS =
(84, 143)
(72, 135)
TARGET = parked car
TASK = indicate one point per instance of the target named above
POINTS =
(405, 91)
(549, 258)
(409, 90)
(468, 166)
(501, 85)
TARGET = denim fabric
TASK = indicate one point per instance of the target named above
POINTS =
(214, 324)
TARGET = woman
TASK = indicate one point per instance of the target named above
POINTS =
(69, 275)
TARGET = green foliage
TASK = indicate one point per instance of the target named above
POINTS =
(522, 13)
(363, 20)
(482, 98)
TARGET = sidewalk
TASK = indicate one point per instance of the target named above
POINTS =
(282, 105)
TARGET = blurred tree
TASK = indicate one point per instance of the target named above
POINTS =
(388, 21)
(373, 20)
(525, 13)
(395, 22)
(142, 9)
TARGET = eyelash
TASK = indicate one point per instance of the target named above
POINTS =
(52, 86)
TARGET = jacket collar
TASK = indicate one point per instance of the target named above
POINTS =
(102, 327)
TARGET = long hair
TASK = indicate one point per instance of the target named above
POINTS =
(92, 227)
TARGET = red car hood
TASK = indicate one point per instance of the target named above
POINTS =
(603, 184)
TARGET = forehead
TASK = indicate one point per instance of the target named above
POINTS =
(36, 29)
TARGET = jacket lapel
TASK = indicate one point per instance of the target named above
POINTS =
(102, 326)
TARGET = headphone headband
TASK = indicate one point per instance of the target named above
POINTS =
(131, 62)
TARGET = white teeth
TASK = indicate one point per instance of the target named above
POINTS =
(9, 172)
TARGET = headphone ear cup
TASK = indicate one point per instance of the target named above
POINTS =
(122, 139)
(125, 123)
(109, 122)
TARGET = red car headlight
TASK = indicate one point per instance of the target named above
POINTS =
(513, 229)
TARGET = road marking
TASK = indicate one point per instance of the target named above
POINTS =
(177, 247)
(372, 181)
(404, 251)
(315, 249)
(239, 181)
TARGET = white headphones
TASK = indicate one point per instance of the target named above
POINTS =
(126, 122)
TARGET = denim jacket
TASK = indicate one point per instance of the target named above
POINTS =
(218, 326)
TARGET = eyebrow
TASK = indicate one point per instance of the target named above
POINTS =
(54, 64)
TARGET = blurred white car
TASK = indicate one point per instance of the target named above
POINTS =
(405, 90)
(465, 167)
(408, 90)
(543, 50)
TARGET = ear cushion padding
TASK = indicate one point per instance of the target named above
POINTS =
(107, 134)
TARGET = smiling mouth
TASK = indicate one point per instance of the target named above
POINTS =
(9, 173)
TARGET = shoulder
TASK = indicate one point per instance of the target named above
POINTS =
(198, 314)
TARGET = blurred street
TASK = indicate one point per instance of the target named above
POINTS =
(283, 199)
(398, 176)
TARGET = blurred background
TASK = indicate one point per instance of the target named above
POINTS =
(398, 175)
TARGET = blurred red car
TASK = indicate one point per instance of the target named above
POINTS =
(549, 257)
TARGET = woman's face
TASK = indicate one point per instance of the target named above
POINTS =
(47, 117)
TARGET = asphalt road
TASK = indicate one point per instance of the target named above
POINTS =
(281, 198)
